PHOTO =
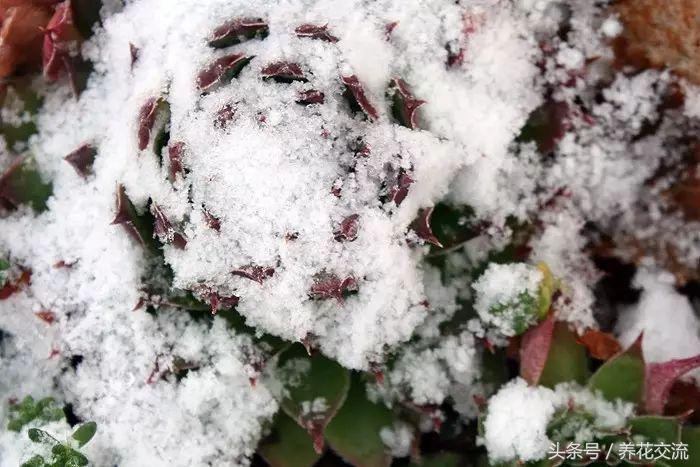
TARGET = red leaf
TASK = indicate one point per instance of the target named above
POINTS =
(534, 349)
(399, 191)
(238, 30)
(13, 287)
(358, 93)
(389, 29)
(600, 345)
(348, 229)
(283, 72)
(331, 286)
(221, 70)
(213, 222)
(311, 97)
(421, 226)
(58, 35)
(254, 273)
(134, 53)
(147, 118)
(175, 157)
(126, 215)
(224, 115)
(47, 316)
(315, 32)
(216, 301)
(404, 105)
(163, 228)
(81, 159)
(659, 378)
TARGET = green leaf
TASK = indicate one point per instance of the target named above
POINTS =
(36, 461)
(354, 431)
(566, 360)
(288, 445)
(75, 458)
(22, 97)
(690, 435)
(656, 428)
(41, 436)
(84, 433)
(621, 377)
(315, 387)
(28, 410)
(21, 183)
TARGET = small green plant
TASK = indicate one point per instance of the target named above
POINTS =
(44, 410)
(63, 454)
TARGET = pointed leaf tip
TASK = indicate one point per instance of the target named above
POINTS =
(255, 273)
(283, 72)
(357, 94)
(404, 105)
(347, 231)
(221, 71)
(238, 30)
(659, 379)
(315, 32)
(81, 159)
(421, 227)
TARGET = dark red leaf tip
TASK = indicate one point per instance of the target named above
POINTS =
(314, 31)
(347, 231)
(421, 226)
(126, 215)
(175, 151)
(399, 190)
(405, 104)
(283, 72)
(255, 273)
(238, 30)
(224, 115)
(311, 97)
(163, 229)
(328, 285)
(147, 118)
(357, 92)
(221, 70)
(212, 221)
(81, 159)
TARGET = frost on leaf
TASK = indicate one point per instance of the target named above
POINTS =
(357, 97)
(328, 285)
(127, 217)
(310, 97)
(238, 30)
(81, 159)
(315, 32)
(254, 272)
(347, 231)
(164, 230)
(284, 72)
(154, 117)
(175, 151)
(421, 227)
(398, 183)
(404, 105)
(21, 183)
(221, 71)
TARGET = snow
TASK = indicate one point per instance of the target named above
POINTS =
(503, 294)
(668, 320)
(518, 417)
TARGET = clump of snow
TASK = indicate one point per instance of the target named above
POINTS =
(398, 438)
(508, 296)
(518, 418)
(669, 323)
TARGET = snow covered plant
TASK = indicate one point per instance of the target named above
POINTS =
(291, 232)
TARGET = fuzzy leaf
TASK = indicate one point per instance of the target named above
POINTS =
(84, 433)
(316, 388)
(315, 32)
(238, 30)
(284, 72)
(221, 71)
(660, 378)
(81, 159)
(421, 227)
(22, 184)
(288, 445)
(657, 429)
(357, 97)
(361, 447)
(41, 436)
(404, 105)
(628, 367)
